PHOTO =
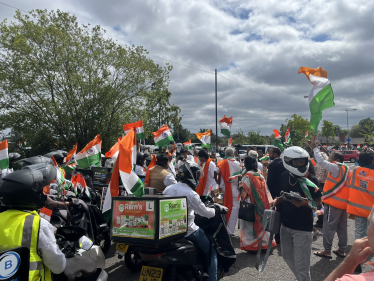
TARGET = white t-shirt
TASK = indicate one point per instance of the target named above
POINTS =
(140, 171)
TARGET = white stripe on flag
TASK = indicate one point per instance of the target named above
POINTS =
(164, 135)
(4, 154)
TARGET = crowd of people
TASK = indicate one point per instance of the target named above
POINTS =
(329, 190)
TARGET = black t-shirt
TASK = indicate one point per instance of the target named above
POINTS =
(293, 217)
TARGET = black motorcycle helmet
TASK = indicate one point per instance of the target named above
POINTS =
(13, 156)
(23, 189)
(189, 173)
(140, 158)
(32, 161)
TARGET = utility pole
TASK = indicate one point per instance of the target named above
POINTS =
(216, 115)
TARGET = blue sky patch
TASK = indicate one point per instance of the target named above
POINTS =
(321, 38)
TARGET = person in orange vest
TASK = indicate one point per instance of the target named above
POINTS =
(206, 180)
(361, 194)
(335, 197)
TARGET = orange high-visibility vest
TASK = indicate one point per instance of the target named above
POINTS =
(335, 192)
(361, 192)
(313, 162)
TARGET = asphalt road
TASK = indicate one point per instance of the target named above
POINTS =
(243, 269)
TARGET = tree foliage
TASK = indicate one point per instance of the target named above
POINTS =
(337, 130)
(62, 83)
(298, 127)
(367, 130)
(328, 130)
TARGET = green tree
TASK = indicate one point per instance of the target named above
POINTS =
(68, 82)
(241, 138)
(328, 130)
(298, 127)
(365, 121)
(255, 137)
(337, 130)
(355, 130)
(367, 130)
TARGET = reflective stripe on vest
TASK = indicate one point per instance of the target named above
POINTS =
(334, 191)
(22, 229)
(361, 194)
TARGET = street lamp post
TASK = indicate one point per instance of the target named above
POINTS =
(179, 124)
(349, 144)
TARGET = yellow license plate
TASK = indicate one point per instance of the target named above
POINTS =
(122, 247)
(150, 273)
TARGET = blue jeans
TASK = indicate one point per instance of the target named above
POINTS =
(361, 227)
(202, 241)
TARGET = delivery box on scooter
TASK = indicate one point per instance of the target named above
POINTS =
(151, 220)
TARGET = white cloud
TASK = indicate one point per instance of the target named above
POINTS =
(258, 44)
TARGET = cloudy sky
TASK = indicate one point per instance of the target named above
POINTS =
(257, 44)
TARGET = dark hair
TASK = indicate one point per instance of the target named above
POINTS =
(162, 159)
(203, 153)
(311, 169)
(365, 159)
(338, 156)
(183, 150)
(276, 150)
(250, 163)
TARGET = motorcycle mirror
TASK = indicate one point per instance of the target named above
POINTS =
(85, 243)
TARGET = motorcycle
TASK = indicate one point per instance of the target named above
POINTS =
(87, 216)
(83, 259)
(182, 260)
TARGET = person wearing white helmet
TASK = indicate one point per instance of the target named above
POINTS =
(297, 215)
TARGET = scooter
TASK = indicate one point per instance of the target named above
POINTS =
(83, 259)
(180, 260)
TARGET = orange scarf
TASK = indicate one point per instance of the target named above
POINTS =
(202, 181)
(224, 167)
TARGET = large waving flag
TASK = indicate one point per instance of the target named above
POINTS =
(124, 168)
(139, 129)
(225, 125)
(71, 154)
(90, 155)
(4, 158)
(113, 152)
(205, 138)
(321, 96)
(163, 136)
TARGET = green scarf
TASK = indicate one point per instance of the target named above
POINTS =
(304, 183)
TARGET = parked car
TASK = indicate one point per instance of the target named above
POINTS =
(350, 155)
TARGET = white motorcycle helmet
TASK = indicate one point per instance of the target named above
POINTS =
(296, 160)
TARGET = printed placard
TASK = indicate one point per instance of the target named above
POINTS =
(133, 219)
(173, 217)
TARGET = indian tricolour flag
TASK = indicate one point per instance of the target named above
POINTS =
(113, 152)
(71, 154)
(4, 158)
(90, 155)
(187, 144)
(139, 129)
(287, 136)
(277, 140)
(306, 134)
(205, 138)
(230, 141)
(225, 125)
(124, 168)
(265, 158)
(321, 96)
(163, 136)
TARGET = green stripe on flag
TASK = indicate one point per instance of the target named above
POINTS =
(207, 145)
(265, 158)
(4, 164)
(164, 142)
(322, 100)
(140, 136)
(226, 132)
(89, 161)
(138, 188)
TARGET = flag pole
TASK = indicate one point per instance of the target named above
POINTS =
(216, 112)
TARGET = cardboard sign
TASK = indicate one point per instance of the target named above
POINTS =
(134, 219)
(173, 217)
